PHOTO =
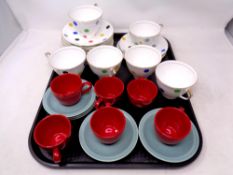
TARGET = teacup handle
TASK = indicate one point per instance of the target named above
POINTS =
(56, 155)
(86, 90)
(100, 102)
(189, 93)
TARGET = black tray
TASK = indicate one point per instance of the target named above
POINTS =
(74, 157)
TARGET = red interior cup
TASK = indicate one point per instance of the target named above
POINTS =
(141, 92)
(68, 88)
(108, 124)
(172, 125)
(108, 90)
(52, 133)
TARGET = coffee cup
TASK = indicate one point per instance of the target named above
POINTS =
(144, 32)
(141, 92)
(108, 124)
(108, 90)
(68, 59)
(87, 19)
(142, 59)
(68, 88)
(104, 60)
(175, 79)
(52, 133)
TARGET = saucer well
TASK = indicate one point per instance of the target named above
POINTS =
(169, 153)
(53, 106)
(72, 36)
(113, 152)
(126, 42)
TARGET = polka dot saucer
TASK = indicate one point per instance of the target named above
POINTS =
(126, 42)
(72, 36)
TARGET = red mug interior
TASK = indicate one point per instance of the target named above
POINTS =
(141, 92)
(108, 90)
(108, 124)
(68, 88)
(52, 133)
(172, 125)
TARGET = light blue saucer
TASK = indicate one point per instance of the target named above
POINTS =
(85, 105)
(108, 153)
(168, 153)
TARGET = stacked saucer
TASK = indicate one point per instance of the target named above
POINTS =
(87, 29)
(80, 109)
(144, 33)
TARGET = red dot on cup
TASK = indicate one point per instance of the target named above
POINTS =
(84, 36)
(90, 41)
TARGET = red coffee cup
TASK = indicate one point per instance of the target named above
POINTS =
(51, 133)
(108, 90)
(68, 88)
(141, 92)
(108, 124)
(172, 125)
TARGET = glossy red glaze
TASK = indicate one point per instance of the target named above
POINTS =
(172, 125)
(68, 88)
(108, 124)
(141, 92)
(108, 90)
(52, 133)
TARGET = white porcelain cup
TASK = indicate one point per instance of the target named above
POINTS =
(104, 60)
(68, 59)
(144, 32)
(87, 19)
(141, 60)
(175, 78)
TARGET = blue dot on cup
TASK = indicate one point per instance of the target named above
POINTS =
(163, 50)
(75, 23)
(146, 70)
(75, 33)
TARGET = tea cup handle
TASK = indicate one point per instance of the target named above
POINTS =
(86, 90)
(189, 93)
(56, 155)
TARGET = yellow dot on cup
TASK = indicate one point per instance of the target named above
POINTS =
(102, 34)
(123, 38)
(71, 24)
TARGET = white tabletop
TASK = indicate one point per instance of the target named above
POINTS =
(24, 74)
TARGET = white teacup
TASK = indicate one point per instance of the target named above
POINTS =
(68, 59)
(87, 19)
(144, 32)
(142, 59)
(175, 78)
(104, 60)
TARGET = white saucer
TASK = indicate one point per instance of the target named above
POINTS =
(126, 42)
(72, 36)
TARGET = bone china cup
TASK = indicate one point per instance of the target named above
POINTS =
(142, 59)
(108, 124)
(172, 125)
(175, 78)
(68, 88)
(52, 133)
(108, 90)
(144, 32)
(104, 60)
(141, 92)
(68, 59)
(87, 19)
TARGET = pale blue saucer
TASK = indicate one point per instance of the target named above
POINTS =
(53, 106)
(108, 153)
(168, 153)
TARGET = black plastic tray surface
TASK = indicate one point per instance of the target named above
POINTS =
(74, 157)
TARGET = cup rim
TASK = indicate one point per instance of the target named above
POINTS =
(82, 57)
(155, 50)
(101, 47)
(144, 21)
(195, 76)
(85, 6)
(64, 118)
